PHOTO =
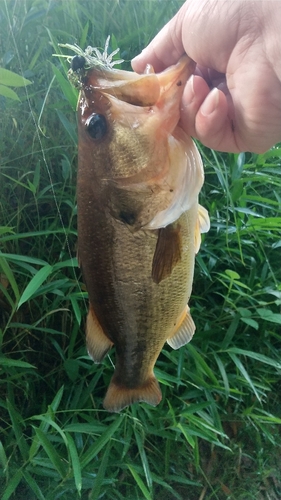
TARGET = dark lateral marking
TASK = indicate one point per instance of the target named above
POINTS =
(127, 217)
(179, 83)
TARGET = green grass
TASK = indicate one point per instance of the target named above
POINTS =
(216, 434)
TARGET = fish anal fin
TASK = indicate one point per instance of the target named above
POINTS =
(98, 344)
(184, 330)
(118, 396)
(167, 252)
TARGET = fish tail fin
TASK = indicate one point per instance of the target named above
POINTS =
(98, 344)
(118, 396)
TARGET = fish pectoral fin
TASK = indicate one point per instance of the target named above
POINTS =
(167, 252)
(98, 344)
(202, 226)
(118, 396)
(184, 330)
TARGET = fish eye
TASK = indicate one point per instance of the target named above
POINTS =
(96, 126)
(78, 62)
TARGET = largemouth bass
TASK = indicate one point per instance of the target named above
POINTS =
(139, 221)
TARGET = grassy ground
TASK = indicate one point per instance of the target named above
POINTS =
(216, 434)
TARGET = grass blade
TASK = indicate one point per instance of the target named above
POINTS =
(12, 486)
(35, 283)
(24, 258)
(140, 483)
(101, 442)
(12, 79)
(244, 373)
(69, 127)
(15, 363)
(10, 276)
(16, 420)
(145, 465)
(33, 485)
(255, 355)
(202, 365)
(44, 426)
(223, 374)
(94, 495)
(186, 434)
(51, 452)
(3, 458)
(7, 92)
(75, 462)
(68, 90)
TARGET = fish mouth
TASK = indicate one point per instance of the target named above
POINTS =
(172, 82)
(173, 79)
(149, 102)
(123, 85)
(143, 90)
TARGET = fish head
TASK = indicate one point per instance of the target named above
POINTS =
(121, 112)
(131, 144)
(110, 109)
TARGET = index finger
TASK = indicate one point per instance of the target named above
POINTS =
(164, 50)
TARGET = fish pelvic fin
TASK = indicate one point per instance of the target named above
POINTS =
(184, 330)
(98, 344)
(167, 252)
(118, 396)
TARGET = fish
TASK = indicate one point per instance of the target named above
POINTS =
(139, 219)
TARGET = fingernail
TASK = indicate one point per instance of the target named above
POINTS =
(210, 103)
(191, 81)
(189, 92)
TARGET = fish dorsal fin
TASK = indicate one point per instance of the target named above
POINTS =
(202, 226)
(184, 330)
(167, 252)
(119, 396)
(98, 344)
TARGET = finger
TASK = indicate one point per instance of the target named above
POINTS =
(207, 115)
(165, 49)
(194, 94)
(214, 125)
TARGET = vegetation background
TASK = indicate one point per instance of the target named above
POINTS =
(216, 434)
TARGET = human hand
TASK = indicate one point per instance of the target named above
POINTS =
(233, 102)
